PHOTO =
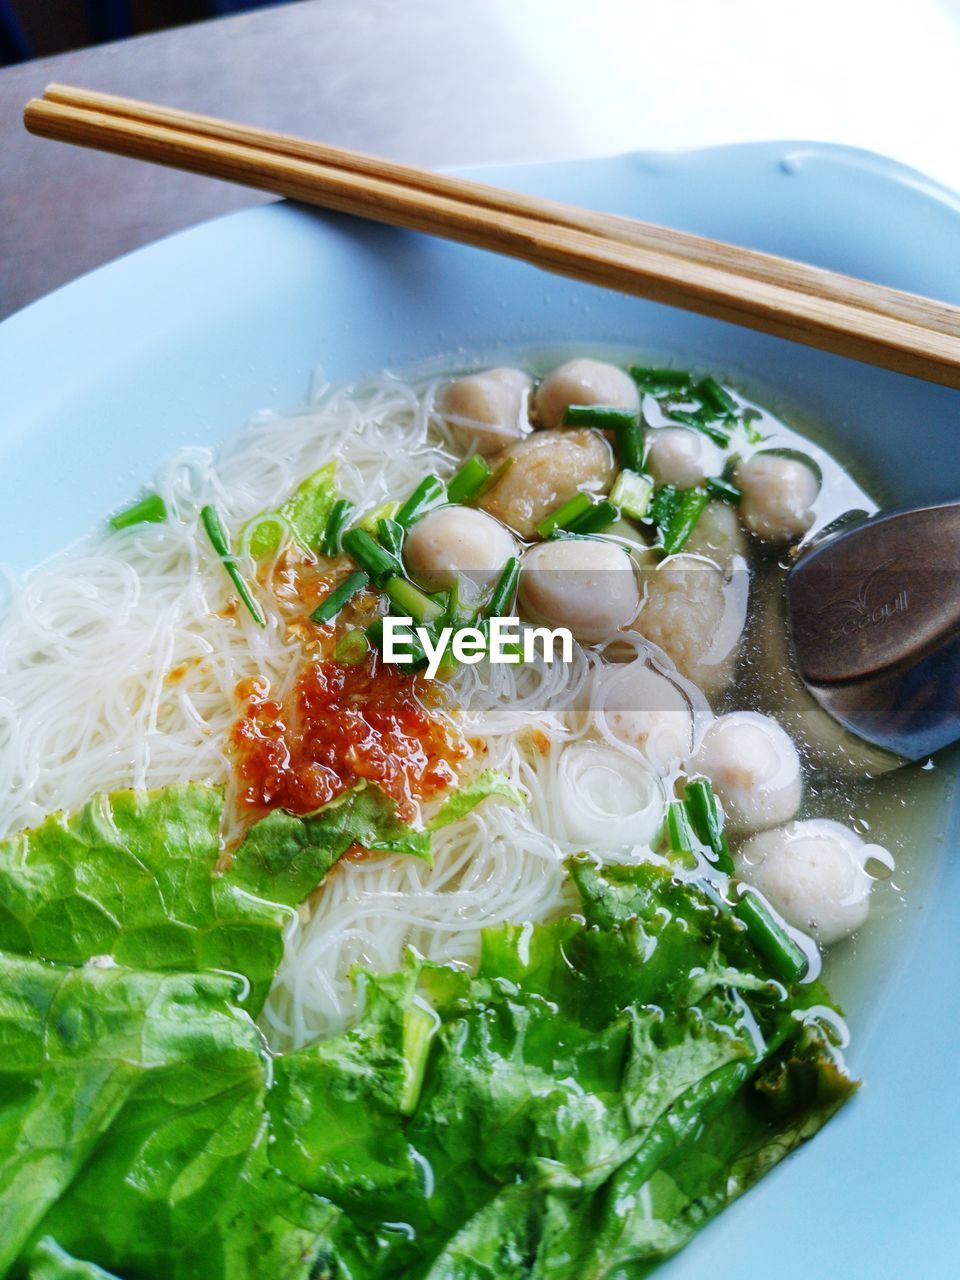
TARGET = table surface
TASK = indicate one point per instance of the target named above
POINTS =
(477, 81)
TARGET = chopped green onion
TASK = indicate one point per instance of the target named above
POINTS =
(218, 538)
(630, 446)
(749, 418)
(469, 480)
(719, 435)
(604, 416)
(331, 605)
(149, 510)
(705, 820)
(724, 490)
(427, 494)
(713, 396)
(679, 831)
(601, 516)
(770, 938)
(351, 648)
(369, 555)
(660, 381)
(412, 645)
(676, 512)
(391, 535)
(493, 480)
(411, 601)
(632, 493)
(337, 521)
(504, 591)
(565, 514)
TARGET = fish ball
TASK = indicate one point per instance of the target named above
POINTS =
(778, 494)
(486, 411)
(682, 457)
(649, 713)
(695, 617)
(545, 470)
(585, 584)
(754, 768)
(456, 544)
(584, 382)
(813, 873)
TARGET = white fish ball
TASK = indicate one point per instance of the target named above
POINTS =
(454, 544)
(584, 381)
(588, 585)
(754, 768)
(487, 411)
(778, 494)
(813, 873)
(682, 457)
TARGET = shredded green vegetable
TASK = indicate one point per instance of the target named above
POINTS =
(329, 607)
(218, 538)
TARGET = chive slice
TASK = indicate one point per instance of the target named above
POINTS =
(410, 600)
(563, 515)
(427, 494)
(676, 512)
(149, 510)
(337, 521)
(493, 480)
(660, 381)
(601, 516)
(630, 446)
(374, 634)
(705, 820)
(469, 480)
(391, 535)
(770, 938)
(712, 395)
(717, 434)
(331, 605)
(369, 555)
(724, 490)
(351, 648)
(504, 591)
(218, 538)
(604, 416)
(679, 831)
(632, 493)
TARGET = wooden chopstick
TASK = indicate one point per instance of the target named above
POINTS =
(837, 313)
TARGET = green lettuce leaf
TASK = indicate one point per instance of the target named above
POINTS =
(489, 783)
(134, 876)
(579, 1108)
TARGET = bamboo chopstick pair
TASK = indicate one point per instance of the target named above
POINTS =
(850, 317)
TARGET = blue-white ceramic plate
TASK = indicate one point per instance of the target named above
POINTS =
(182, 341)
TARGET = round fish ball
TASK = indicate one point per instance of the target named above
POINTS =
(754, 768)
(545, 470)
(718, 535)
(587, 585)
(682, 457)
(486, 411)
(777, 496)
(457, 544)
(584, 381)
(685, 613)
(649, 713)
(813, 873)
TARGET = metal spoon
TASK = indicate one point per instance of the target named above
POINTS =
(874, 618)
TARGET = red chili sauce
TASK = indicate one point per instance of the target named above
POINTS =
(342, 724)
